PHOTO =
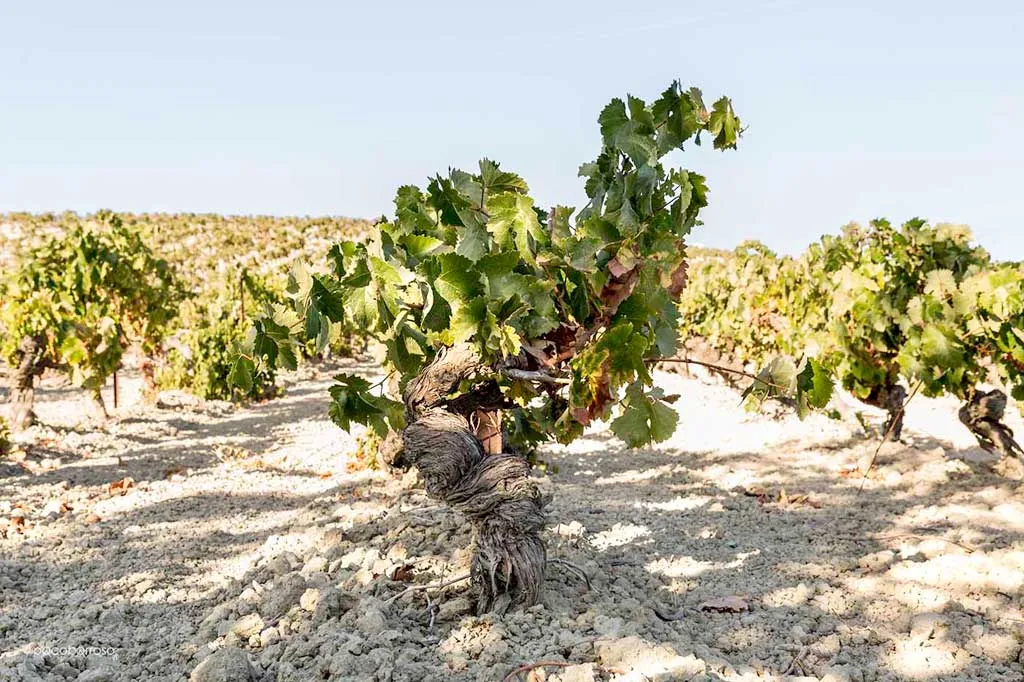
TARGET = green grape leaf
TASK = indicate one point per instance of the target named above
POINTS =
(353, 401)
(474, 242)
(241, 376)
(458, 281)
(645, 418)
(514, 224)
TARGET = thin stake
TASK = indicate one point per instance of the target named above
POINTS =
(115, 389)
(888, 431)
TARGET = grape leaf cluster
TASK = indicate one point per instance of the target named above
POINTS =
(588, 296)
(87, 293)
(871, 309)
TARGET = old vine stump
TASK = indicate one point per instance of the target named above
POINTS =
(493, 490)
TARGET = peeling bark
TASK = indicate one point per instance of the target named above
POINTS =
(150, 391)
(494, 491)
(983, 415)
(891, 399)
(23, 392)
(98, 407)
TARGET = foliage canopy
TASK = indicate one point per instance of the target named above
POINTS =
(87, 294)
(589, 296)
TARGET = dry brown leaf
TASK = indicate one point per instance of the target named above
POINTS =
(255, 464)
(581, 415)
(678, 280)
(616, 267)
(404, 573)
(122, 486)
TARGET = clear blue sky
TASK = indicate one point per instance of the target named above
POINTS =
(855, 110)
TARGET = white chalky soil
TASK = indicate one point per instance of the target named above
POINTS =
(244, 548)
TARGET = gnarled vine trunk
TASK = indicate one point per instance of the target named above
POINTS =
(983, 415)
(23, 392)
(505, 508)
(891, 399)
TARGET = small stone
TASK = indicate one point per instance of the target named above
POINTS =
(877, 561)
(310, 599)
(999, 647)
(224, 665)
(111, 616)
(926, 626)
(457, 664)
(578, 673)
(839, 673)
(269, 637)
(208, 628)
(317, 564)
(244, 607)
(318, 579)
(332, 604)
(144, 586)
(657, 661)
(371, 620)
(96, 675)
(279, 565)
(607, 626)
(52, 509)
(247, 626)
(284, 594)
(827, 647)
(454, 608)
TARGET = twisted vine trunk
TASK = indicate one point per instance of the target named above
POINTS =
(150, 390)
(891, 399)
(983, 415)
(23, 391)
(494, 490)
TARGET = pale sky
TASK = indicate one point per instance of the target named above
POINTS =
(855, 110)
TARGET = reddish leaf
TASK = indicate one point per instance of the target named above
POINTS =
(618, 269)
(121, 486)
(582, 415)
(618, 290)
(678, 282)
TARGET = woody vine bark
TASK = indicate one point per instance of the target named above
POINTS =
(492, 488)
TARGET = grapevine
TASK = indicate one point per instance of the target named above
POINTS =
(874, 309)
(76, 302)
(508, 324)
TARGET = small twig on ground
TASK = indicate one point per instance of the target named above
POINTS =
(432, 611)
(532, 666)
(897, 536)
(433, 586)
(668, 617)
(796, 661)
(573, 568)
(885, 436)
